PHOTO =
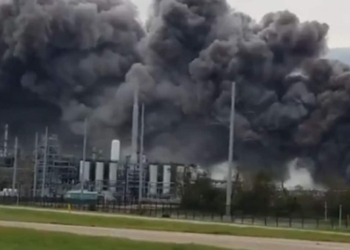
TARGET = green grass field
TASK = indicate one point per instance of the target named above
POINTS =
(18, 239)
(23, 215)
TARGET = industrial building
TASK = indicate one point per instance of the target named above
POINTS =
(54, 174)
(122, 178)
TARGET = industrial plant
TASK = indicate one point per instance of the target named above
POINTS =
(54, 174)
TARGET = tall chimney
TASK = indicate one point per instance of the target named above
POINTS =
(135, 126)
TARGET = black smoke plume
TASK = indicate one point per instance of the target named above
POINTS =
(66, 60)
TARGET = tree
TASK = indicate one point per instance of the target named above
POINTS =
(202, 196)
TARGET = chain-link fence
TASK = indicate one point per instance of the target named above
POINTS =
(273, 218)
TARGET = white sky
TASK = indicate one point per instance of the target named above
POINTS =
(333, 12)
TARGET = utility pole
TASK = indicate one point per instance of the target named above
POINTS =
(45, 161)
(14, 177)
(141, 151)
(84, 158)
(230, 153)
(36, 154)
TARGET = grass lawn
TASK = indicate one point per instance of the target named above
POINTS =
(23, 215)
(18, 239)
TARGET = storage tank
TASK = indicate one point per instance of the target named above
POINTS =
(81, 167)
(86, 171)
(115, 150)
(99, 176)
(153, 179)
(166, 179)
(113, 166)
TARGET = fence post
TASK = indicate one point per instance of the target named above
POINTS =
(290, 221)
(302, 221)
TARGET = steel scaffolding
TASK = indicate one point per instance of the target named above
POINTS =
(55, 174)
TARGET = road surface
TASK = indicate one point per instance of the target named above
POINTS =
(229, 242)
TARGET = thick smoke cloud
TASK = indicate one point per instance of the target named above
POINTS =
(63, 60)
(77, 59)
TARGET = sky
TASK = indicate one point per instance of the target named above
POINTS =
(333, 12)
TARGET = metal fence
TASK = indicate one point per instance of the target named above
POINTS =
(174, 211)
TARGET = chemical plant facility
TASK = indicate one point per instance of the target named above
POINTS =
(49, 173)
(53, 174)
(122, 179)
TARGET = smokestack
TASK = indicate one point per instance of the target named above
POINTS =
(6, 137)
(135, 126)
(142, 132)
(230, 153)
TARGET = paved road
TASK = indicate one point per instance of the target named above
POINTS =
(229, 242)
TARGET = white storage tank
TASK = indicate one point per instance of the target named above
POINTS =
(153, 179)
(86, 171)
(115, 150)
(81, 166)
(166, 179)
(113, 168)
(99, 176)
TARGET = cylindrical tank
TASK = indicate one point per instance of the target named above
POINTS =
(153, 179)
(113, 168)
(81, 167)
(99, 176)
(166, 179)
(86, 171)
(115, 150)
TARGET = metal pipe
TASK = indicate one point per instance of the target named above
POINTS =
(45, 161)
(84, 158)
(230, 154)
(14, 177)
(141, 150)
(36, 154)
